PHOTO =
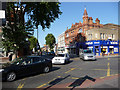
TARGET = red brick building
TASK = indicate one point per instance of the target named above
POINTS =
(71, 34)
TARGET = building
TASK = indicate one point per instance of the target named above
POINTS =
(45, 48)
(79, 29)
(61, 42)
(103, 41)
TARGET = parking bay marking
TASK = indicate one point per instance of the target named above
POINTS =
(70, 70)
(47, 82)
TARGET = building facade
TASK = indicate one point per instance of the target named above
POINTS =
(77, 30)
(103, 41)
(61, 42)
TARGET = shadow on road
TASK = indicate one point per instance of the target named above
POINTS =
(79, 81)
(54, 69)
(54, 82)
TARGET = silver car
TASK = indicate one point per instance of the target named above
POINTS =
(87, 54)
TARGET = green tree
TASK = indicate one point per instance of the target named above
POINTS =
(33, 42)
(17, 29)
(50, 41)
(14, 32)
(42, 13)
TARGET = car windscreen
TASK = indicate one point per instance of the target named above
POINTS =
(60, 55)
(87, 51)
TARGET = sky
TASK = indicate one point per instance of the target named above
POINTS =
(72, 12)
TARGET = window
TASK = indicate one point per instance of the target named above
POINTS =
(90, 36)
(67, 35)
(36, 60)
(100, 35)
(96, 35)
(80, 30)
(103, 36)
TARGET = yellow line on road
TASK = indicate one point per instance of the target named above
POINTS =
(108, 58)
(74, 78)
(47, 82)
(20, 86)
(41, 85)
(106, 76)
(108, 70)
(70, 70)
(100, 69)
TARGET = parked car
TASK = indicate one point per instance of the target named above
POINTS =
(51, 53)
(87, 54)
(61, 58)
(25, 65)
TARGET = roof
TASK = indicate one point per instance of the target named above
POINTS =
(85, 12)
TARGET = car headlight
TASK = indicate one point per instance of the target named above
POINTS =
(1, 70)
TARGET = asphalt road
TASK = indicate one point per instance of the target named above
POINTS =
(76, 74)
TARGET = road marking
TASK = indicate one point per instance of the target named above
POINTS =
(20, 86)
(108, 58)
(100, 69)
(106, 76)
(108, 70)
(41, 85)
(70, 70)
(59, 76)
(47, 82)
(74, 78)
(51, 80)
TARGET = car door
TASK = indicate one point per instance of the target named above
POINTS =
(25, 67)
(38, 63)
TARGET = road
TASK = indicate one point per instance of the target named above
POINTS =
(102, 73)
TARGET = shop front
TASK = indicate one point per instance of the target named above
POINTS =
(71, 49)
(103, 47)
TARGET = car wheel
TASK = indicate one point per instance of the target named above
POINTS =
(11, 76)
(46, 69)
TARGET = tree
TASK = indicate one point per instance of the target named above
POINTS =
(14, 32)
(17, 30)
(33, 43)
(50, 41)
(42, 13)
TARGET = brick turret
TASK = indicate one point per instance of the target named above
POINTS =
(85, 21)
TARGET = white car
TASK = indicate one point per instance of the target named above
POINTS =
(61, 58)
(87, 54)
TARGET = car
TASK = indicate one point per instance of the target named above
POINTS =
(24, 66)
(87, 54)
(61, 58)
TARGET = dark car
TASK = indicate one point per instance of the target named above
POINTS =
(25, 65)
